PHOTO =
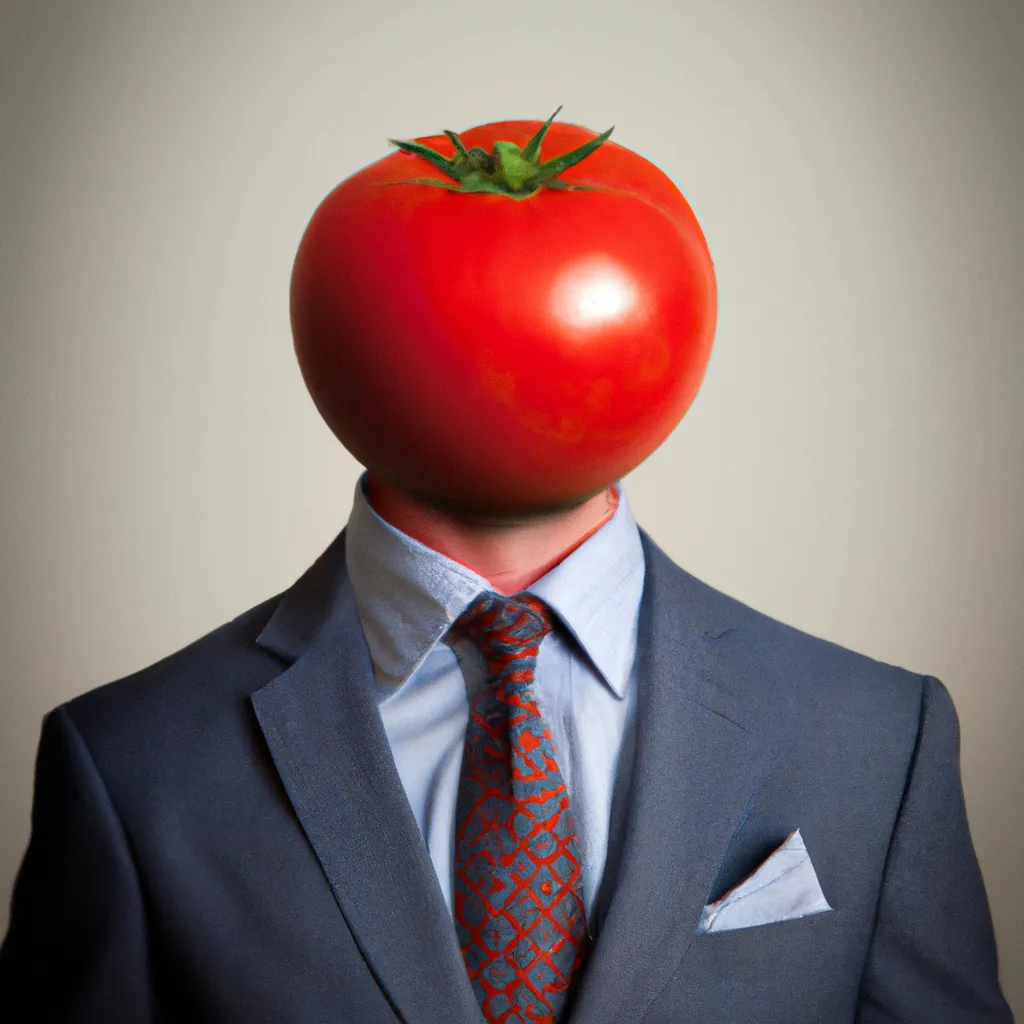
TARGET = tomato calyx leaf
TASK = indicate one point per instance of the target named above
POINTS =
(507, 170)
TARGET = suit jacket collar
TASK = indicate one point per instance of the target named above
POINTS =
(708, 728)
(322, 725)
(709, 725)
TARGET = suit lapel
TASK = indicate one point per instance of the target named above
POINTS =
(325, 734)
(706, 734)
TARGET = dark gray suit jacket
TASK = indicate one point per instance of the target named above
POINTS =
(223, 837)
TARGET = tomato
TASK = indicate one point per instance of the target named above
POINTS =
(511, 350)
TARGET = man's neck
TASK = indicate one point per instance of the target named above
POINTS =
(509, 556)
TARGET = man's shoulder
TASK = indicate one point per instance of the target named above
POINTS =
(815, 672)
(212, 675)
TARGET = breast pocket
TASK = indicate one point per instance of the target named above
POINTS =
(789, 930)
(799, 971)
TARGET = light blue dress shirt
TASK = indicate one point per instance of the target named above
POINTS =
(408, 595)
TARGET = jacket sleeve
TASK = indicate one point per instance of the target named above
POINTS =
(75, 949)
(932, 958)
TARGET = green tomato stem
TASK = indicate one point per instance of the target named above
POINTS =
(507, 170)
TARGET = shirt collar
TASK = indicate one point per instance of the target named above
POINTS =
(408, 594)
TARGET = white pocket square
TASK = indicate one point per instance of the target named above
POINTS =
(784, 887)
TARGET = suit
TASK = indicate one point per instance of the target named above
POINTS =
(223, 836)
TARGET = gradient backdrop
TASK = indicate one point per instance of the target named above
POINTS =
(854, 464)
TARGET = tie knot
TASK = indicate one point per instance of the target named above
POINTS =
(504, 627)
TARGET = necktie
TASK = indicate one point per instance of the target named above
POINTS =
(518, 907)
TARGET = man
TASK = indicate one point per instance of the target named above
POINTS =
(494, 757)
(260, 827)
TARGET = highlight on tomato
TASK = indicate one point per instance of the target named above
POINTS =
(500, 333)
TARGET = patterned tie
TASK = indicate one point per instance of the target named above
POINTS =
(519, 912)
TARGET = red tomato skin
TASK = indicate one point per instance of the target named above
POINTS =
(504, 356)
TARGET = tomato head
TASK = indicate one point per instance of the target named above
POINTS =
(499, 333)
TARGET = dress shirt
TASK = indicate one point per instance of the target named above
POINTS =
(408, 595)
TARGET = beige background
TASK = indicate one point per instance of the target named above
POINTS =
(854, 463)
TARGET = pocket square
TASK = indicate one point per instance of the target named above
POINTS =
(784, 887)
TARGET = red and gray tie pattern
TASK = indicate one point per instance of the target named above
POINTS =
(519, 912)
